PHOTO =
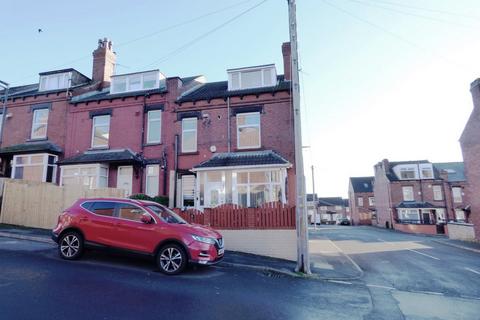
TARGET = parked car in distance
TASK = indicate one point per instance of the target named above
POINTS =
(343, 222)
(136, 226)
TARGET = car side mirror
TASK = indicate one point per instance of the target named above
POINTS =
(146, 218)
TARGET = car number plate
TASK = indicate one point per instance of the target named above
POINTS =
(221, 251)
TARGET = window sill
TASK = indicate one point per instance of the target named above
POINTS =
(193, 153)
(249, 149)
(152, 144)
(36, 139)
(98, 148)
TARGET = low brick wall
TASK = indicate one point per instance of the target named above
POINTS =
(273, 243)
(461, 231)
(416, 228)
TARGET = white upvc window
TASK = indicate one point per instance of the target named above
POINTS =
(39, 124)
(457, 194)
(407, 173)
(248, 130)
(136, 81)
(152, 180)
(93, 175)
(55, 81)
(154, 126)
(100, 131)
(408, 193)
(245, 78)
(409, 214)
(189, 135)
(440, 214)
(188, 191)
(323, 208)
(360, 201)
(371, 201)
(459, 215)
(437, 193)
(338, 207)
(35, 167)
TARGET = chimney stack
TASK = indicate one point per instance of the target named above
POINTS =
(103, 63)
(287, 60)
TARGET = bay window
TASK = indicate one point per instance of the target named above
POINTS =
(35, 167)
(89, 175)
(409, 214)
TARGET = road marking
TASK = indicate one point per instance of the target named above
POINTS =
(471, 270)
(428, 292)
(423, 254)
(378, 286)
(470, 297)
(339, 281)
(348, 257)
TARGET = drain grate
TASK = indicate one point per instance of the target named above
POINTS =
(273, 274)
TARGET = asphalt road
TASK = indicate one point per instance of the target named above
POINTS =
(405, 277)
(411, 276)
(36, 284)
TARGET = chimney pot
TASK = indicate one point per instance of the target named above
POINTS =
(103, 62)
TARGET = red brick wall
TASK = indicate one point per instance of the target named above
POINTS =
(363, 214)
(381, 189)
(276, 123)
(416, 228)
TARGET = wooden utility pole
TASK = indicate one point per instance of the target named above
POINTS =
(303, 258)
(314, 201)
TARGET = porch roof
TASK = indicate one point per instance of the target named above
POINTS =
(110, 156)
(243, 159)
(417, 205)
(31, 147)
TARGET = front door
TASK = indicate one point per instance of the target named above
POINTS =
(426, 217)
(214, 195)
(124, 179)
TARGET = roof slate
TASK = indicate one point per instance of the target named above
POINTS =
(455, 170)
(219, 89)
(331, 201)
(362, 184)
(34, 146)
(417, 205)
(250, 158)
(121, 155)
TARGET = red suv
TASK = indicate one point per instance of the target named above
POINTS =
(138, 226)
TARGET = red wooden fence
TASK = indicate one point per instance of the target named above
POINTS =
(232, 217)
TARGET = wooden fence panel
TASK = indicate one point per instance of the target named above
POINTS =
(38, 204)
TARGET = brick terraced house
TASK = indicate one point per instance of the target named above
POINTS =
(201, 144)
(333, 208)
(361, 200)
(419, 196)
(470, 144)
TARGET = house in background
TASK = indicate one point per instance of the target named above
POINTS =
(418, 197)
(235, 140)
(34, 132)
(470, 144)
(361, 200)
(333, 208)
(312, 208)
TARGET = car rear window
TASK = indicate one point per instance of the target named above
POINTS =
(103, 208)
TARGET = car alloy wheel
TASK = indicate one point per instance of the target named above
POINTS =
(70, 246)
(171, 259)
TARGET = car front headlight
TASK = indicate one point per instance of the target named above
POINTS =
(203, 239)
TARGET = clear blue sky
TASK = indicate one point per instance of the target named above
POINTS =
(381, 78)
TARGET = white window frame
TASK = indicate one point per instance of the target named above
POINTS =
(404, 214)
(249, 184)
(459, 213)
(404, 193)
(157, 180)
(249, 126)
(184, 120)
(149, 121)
(265, 81)
(360, 201)
(183, 189)
(338, 207)
(128, 191)
(437, 192)
(35, 112)
(457, 198)
(158, 77)
(93, 131)
(371, 201)
(45, 79)
(97, 175)
(44, 163)
(408, 169)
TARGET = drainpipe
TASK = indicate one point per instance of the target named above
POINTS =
(175, 166)
(228, 123)
(6, 86)
(142, 189)
(165, 171)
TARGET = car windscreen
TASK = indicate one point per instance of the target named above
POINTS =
(166, 215)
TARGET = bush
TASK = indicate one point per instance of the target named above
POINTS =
(158, 199)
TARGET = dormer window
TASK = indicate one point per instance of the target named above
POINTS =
(137, 81)
(253, 77)
(407, 173)
(55, 81)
